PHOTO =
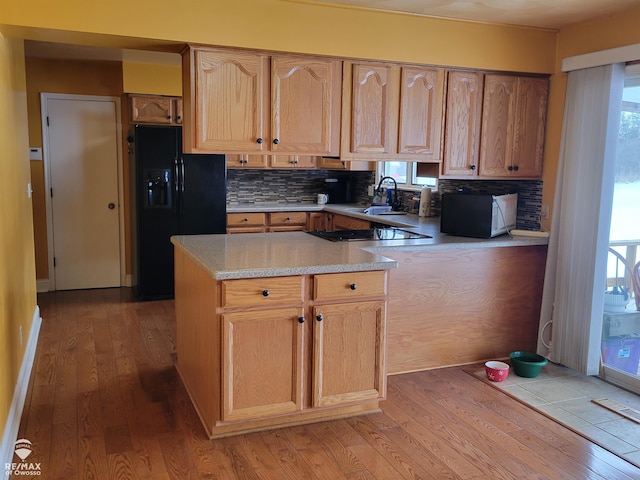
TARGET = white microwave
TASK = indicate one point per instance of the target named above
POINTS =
(478, 215)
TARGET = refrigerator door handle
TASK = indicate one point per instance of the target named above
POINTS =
(181, 184)
(181, 174)
(175, 185)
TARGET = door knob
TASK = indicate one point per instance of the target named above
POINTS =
(111, 206)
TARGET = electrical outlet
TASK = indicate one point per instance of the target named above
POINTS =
(544, 211)
(370, 190)
(20, 336)
(29, 190)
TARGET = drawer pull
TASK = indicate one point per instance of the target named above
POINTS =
(300, 319)
(265, 293)
(319, 318)
(245, 219)
(353, 286)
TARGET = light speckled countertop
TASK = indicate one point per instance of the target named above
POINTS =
(252, 255)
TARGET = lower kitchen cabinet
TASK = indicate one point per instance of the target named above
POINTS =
(262, 353)
(348, 361)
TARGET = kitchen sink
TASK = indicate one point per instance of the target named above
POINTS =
(381, 210)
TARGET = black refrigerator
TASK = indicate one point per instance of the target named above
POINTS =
(175, 194)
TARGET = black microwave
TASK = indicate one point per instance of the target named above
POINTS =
(478, 215)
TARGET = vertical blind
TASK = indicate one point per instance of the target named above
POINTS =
(573, 294)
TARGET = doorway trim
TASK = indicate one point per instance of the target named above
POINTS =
(44, 97)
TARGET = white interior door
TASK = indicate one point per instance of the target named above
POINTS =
(82, 155)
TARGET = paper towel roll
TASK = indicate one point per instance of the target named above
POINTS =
(425, 202)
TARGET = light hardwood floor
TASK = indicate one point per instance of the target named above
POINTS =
(105, 402)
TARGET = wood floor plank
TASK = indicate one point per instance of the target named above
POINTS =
(105, 402)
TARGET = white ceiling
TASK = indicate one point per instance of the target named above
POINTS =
(553, 14)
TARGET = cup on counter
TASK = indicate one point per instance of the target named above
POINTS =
(322, 198)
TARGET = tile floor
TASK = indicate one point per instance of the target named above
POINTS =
(565, 395)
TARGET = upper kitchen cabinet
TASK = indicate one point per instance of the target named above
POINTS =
(513, 123)
(305, 105)
(246, 102)
(421, 111)
(369, 110)
(226, 101)
(392, 112)
(463, 116)
(155, 109)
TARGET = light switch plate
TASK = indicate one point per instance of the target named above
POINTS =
(35, 154)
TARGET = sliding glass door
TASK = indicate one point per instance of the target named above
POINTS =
(621, 316)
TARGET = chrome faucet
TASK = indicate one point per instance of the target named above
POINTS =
(395, 205)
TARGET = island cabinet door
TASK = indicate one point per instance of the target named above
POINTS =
(262, 363)
(348, 353)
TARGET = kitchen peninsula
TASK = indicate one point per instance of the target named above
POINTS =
(279, 329)
(285, 328)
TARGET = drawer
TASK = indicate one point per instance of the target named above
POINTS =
(341, 286)
(288, 218)
(245, 219)
(254, 292)
(246, 230)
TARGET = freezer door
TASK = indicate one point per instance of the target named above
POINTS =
(156, 158)
(202, 194)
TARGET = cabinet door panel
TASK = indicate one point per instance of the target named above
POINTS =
(421, 95)
(305, 97)
(231, 101)
(152, 109)
(371, 109)
(462, 132)
(262, 363)
(496, 143)
(530, 125)
(349, 354)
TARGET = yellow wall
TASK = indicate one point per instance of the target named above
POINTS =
(17, 266)
(287, 26)
(609, 32)
(58, 76)
(152, 78)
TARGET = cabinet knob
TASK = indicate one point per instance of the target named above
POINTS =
(510, 168)
(259, 140)
(300, 319)
(319, 317)
(276, 141)
(169, 117)
(472, 167)
(288, 219)
(245, 219)
(515, 167)
(353, 286)
(265, 293)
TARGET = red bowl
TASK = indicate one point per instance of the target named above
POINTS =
(496, 371)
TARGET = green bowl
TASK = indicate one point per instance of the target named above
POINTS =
(527, 364)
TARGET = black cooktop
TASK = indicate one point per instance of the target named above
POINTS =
(376, 233)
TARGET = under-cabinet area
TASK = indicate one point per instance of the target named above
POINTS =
(258, 353)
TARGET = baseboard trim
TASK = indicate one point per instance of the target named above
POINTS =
(42, 285)
(12, 426)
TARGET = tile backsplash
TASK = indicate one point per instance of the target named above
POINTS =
(253, 187)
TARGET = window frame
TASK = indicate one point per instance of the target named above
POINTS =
(411, 173)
